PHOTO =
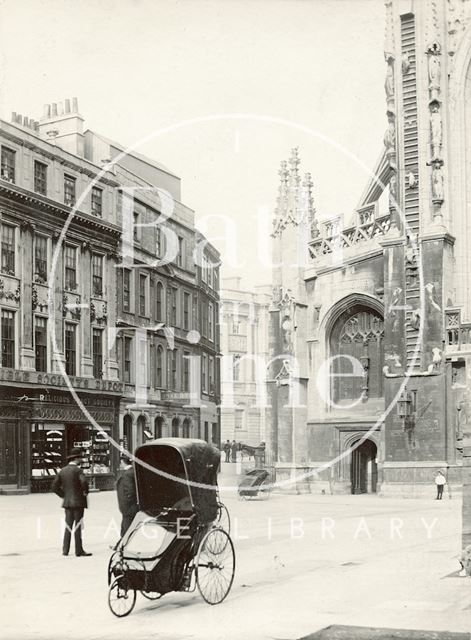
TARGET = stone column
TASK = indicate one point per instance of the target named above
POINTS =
(86, 360)
(111, 288)
(27, 362)
(466, 503)
(56, 314)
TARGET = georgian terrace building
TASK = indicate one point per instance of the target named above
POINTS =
(99, 303)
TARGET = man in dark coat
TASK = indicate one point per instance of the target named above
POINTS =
(227, 450)
(71, 485)
(127, 496)
(234, 450)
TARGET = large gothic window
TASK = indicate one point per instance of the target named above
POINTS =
(357, 356)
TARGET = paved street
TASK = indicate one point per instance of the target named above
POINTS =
(303, 562)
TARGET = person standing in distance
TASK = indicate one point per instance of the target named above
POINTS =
(71, 485)
(227, 450)
(440, 481)
(127, 496)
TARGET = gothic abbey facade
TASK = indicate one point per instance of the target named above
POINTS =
(370, 332)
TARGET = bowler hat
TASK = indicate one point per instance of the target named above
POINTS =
(74, 454)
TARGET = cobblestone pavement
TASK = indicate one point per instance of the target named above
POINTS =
(303, 562)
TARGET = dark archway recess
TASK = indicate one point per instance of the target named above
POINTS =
(186, 428)
(364, 468)
(356, 346)
(142, 436)
(175, 427)
(158, 426)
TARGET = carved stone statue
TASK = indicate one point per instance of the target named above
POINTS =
(436, 130)
(434, 72)
(437, 183)
(389, 81)
(405, 63)
(390, 136)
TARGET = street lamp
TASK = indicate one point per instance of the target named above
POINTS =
(406, 411)
(404, 404)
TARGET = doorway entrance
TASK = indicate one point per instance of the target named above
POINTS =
(364, 468)
(8, 451)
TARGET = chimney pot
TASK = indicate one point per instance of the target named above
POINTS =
(19, 118)
(25, 121)
(13, 116)
(74, 105)
(54, 109)
(47, 111)
(67, 105)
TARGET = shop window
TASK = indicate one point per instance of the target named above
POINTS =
(8, 339)
(40, 177)
(70, 349)
(97, 275)
(95, 447)
(47, 449)
(40, 258)
(8, 249)
(8, 164)
(97, 353)
(40, 343)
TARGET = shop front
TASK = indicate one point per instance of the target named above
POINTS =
(38, 429)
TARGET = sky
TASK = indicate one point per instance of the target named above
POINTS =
(306, 73)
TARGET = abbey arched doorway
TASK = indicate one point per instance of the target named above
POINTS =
(364, 468)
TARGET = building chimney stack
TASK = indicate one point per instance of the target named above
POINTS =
(64, 120)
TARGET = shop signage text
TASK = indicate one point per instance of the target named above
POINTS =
(58, 380)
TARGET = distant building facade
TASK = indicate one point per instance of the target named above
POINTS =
(126, 330)
(244, 347)
(372, 330)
